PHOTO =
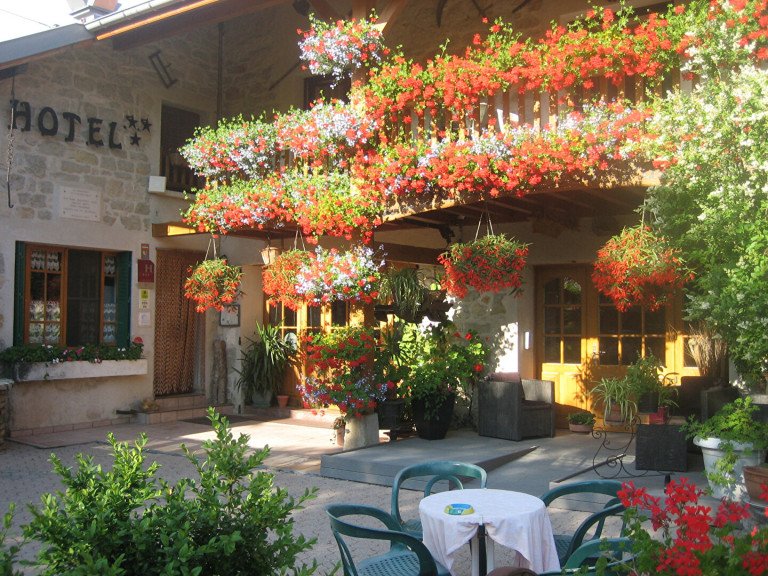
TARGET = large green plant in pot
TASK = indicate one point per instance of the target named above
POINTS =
(733, 438)
(444, 363)
(264, 363)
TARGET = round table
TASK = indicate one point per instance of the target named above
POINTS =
(513, 519)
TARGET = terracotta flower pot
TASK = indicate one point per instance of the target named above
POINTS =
(282, 400)
(754, 477)
(580, 428)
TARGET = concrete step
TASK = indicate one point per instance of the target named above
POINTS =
(173, 408)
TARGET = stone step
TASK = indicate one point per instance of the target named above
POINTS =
(172, 415)
(181, 402)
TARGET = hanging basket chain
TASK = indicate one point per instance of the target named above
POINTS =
(11, 136)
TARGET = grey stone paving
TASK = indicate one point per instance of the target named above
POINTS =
(25, 472)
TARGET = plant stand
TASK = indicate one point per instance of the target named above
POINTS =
(362, 432)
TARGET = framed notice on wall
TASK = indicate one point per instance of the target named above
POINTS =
(230, 315)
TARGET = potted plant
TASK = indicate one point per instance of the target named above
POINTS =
(755, 477)
(582, 422)
(445, 363)
(404, 290)
(263, 364)
(730, 440)
(645, 382)
(616, 397)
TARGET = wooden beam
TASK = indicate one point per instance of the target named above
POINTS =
(411, 254)
(361, 9)
(389, 15)
(324, 10)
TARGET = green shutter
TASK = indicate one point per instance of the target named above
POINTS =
(19, 287)
(123, 299)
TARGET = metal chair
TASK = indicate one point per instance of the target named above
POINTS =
(438, 470)
(584, 561)
(567, 544)
(407, 556)
(616, 551)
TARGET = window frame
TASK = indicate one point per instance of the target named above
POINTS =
(118, 318)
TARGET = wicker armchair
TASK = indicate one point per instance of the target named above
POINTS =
(512, 408)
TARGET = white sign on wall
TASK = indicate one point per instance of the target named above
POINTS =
(81, 204)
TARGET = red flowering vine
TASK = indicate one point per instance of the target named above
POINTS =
(213, 284)
(637, 268)
(489, 264)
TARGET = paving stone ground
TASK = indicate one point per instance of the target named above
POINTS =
(25, 474)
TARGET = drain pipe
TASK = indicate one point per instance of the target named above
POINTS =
(220, 75)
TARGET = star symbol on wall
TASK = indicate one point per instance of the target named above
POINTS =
(145, 124)
(132, 122)
(135, 140)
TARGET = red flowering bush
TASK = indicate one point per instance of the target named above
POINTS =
(638, 268)
(489, 264)
(335, 49)
(341, 371)
(688, 538)
(213, 284)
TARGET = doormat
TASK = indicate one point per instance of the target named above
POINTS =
(233, 419)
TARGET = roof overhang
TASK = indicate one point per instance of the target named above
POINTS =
(27, 48)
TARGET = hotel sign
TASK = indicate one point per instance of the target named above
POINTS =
(94, 131)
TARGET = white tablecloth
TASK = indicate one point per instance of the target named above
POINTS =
(513, 519)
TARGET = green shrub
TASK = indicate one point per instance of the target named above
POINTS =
(126, 521)
(8, 553)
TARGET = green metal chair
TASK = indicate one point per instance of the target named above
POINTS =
(407, 556)
(617, 551)
(592, 527)
(438, 470)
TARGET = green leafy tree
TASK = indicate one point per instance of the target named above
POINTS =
(713, 204)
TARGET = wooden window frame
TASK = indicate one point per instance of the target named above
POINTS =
(119, 318)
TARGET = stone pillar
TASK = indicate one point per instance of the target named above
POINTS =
(5, 389)
(218, 390)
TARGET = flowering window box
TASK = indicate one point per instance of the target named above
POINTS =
(37, 371)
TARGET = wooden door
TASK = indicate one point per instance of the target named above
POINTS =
(581, 337)
(563, 304)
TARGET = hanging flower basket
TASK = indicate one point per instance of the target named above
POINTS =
(334, 49)
(280, 278)
(300, 278)
(639, 268)
(488, 264)
(213, 284)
